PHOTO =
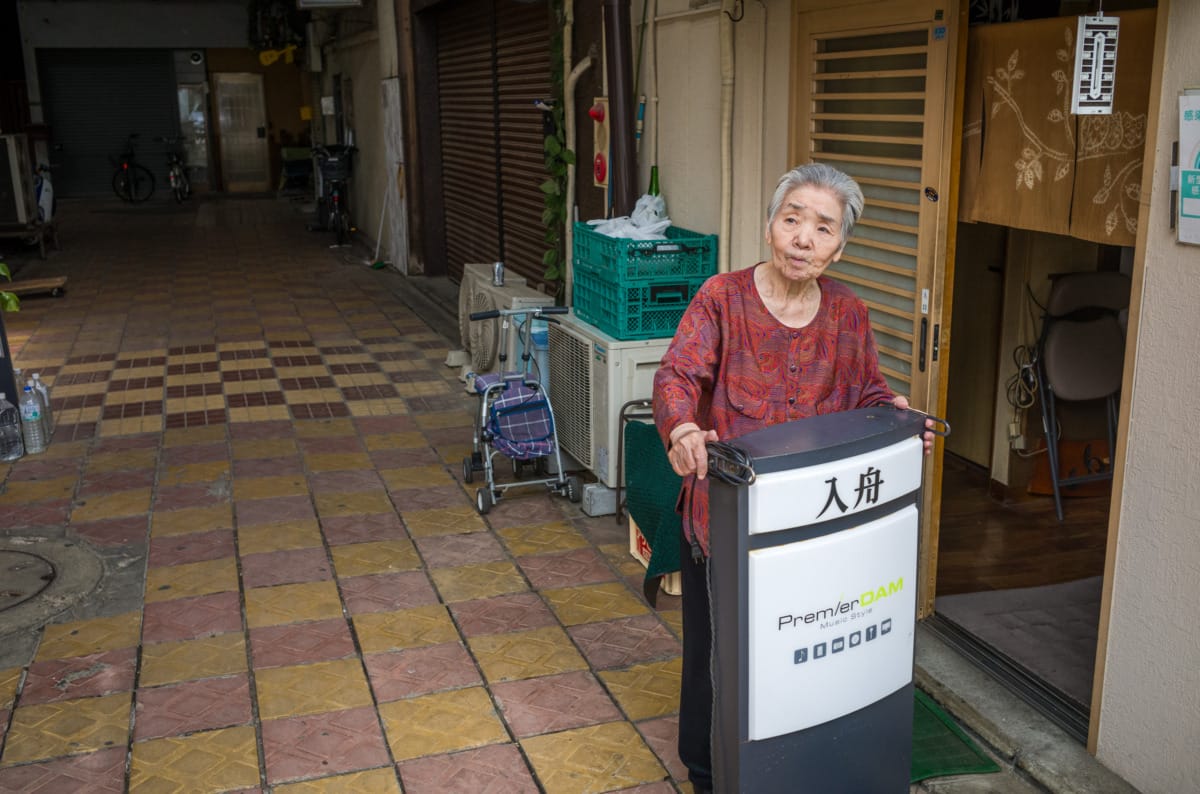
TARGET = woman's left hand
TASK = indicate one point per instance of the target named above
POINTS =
(901, 404)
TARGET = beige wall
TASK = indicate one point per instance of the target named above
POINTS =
(1149, 725)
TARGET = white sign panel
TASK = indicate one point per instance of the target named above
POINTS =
(1095, 66)
(1188, 225)
(832, 624)
(798, 497)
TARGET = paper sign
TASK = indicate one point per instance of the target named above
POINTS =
(1188, 225)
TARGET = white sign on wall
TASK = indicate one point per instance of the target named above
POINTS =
(798, 497)
(1188, 223)
(832, 624)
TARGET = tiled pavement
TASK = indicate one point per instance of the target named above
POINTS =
(271, 441)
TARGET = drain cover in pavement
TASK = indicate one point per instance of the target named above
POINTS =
(22, 576)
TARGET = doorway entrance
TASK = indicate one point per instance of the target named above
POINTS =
(242, 127)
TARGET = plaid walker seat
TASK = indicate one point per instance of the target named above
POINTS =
(516, 419)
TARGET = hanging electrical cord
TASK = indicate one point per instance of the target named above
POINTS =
(1021, 389)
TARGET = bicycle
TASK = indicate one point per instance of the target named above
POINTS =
(181, 186)
(333, 166)
(132, 182)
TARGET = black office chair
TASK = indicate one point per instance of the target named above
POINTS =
(1081, 357)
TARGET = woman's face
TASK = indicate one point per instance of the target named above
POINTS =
(806, 234)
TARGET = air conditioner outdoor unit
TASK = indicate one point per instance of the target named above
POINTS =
(481, 338)
(591, 376)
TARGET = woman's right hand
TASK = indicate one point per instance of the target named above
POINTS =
(688, 454)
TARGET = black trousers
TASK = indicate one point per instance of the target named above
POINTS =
(695, 689)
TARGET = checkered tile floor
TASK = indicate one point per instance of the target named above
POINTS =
(270, 440)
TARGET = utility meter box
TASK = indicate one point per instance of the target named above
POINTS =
(814, 582)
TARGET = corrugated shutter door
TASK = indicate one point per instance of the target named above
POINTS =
(93, 99)
(522, 76)
(468, 119)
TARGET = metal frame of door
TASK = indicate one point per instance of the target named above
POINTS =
(238, 184)
(879, 99)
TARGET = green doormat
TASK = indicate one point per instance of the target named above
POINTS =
(940, 747)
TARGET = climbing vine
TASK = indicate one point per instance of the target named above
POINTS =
(557, 157)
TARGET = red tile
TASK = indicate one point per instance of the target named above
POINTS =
(353, 481)
(301, 643)
(102, 772)
(663, 737)
(33, 469)
(42, 514)
(566, 569)
(409, 499)
(387, 592)
(451, 551)
(419, 671)
(114, 531)
(99, 483)
(495, 769)
(285, 567)
(362, 529)
(327, 445)
(625, 641)
(120, 443)
(191, 547)
(195, 453)
(190, 618)
(323, 744)
(501, 614)
(251, 512)
(83, 676)
(192, 706)
(530, 508)
(385, 424)
(259, 430)
(403, 458)
(554, 703)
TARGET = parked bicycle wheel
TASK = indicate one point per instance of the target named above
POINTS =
(180, 186)
(341, 225)
(134, 183)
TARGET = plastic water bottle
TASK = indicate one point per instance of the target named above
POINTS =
(31, 422)
(41, 411)
(43, 391)
(11, 445)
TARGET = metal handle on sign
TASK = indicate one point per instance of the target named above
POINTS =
(937, 420)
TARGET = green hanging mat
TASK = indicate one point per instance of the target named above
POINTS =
(652, 488)
(940, 747)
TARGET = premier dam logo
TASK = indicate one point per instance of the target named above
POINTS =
(842, 609)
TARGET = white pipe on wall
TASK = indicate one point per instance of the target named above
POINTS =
(725, 32)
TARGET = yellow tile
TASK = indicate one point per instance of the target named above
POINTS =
(258, 413)
(195, 472)
(191, 579)
(112, 505)
(9, 679)
(75, 416)
(594, 759)
(338, 461)
(349, 358)
(284, 536)
(441, 723)
(425, 388)
(221, 760)
(195, 379)
(28, 491)
(372, 781)
(525, 654)
(80, 368)
(67, 727)
(202, 434)
(120, 460)
(442, 521)
(187, 660)
(255, 448)
(191, 519)
(84, 637)
(266, 487)
(388, 406)
(311, 689)
(406, 628)
(483, 580)
(230, 347)
(388, 556)
(133, 396)
(250, 386)
(674, 620)
(79, 390)
(402, 440)
(430, 476)
(325, 428)
(453, 453)
(625, 563)
(64, 450)
(442, 419)
(292, 603)
(130, 426)
(353, 503)
(525, 540)
(646, 690)
(591, 603)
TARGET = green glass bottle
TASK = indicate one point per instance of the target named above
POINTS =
(653, 180)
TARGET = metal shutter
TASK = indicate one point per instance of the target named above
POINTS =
(493, 62)
(93, 99)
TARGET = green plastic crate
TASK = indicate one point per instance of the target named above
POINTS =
(641, 310)
(683, 255)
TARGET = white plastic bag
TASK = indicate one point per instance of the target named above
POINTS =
(648, 222)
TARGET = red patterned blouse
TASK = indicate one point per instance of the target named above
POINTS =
(734, 368)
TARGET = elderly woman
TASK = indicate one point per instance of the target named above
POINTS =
(773, 343)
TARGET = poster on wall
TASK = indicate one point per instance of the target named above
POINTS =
(1188, 225)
